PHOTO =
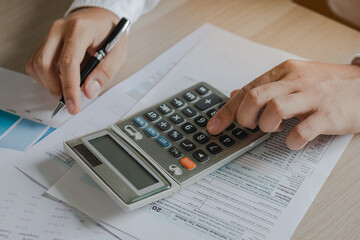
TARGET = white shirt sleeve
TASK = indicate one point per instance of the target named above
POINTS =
(131, 9)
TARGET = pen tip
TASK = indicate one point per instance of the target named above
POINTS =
(57, 109)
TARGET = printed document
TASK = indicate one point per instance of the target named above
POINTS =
(261, 195)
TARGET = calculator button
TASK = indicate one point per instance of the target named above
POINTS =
(163, 141)
(133, 132)
(226, 141)
(190, 96)
(202, 90)
(208, 102)
(175, 135)
(151, 131)
(189, 111)
(201, 121)
(163, 125)
(187, 145)
(187, 163)
(201, 138)
(175, 152)
(232, 126)
(253, 130)
(188, 128)
(200, 155)
(140, 121)
(152, 115)
(177, 118)
(213, 148)
(211, 113)
(175, 169)
(177, 102)
(165, 109)
(239, 133)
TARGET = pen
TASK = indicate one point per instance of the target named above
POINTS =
(99, 55)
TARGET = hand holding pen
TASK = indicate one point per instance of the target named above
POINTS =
(56, 64)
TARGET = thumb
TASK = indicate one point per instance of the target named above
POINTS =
(106, 70)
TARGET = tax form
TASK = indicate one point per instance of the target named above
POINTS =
(261, 195)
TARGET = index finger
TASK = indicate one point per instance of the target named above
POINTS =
(73, 52)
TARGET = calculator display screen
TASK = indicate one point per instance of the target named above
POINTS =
(123, 162)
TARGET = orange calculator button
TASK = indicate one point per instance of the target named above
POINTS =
(186, 162)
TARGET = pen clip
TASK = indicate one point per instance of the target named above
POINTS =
(115, 35)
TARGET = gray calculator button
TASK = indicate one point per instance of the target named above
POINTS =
(239, 133)
(189, 111)
(175, 152)
(226, 141)
(163, 125)
(165, 109)
(253, 130)
(200, 155)
(201, 121)
(152, 115)
(177, 118)
(187, 145)
(202, 90)
(188, 128)
(190, 96)
(230, 127)
(213, 148)
(175, 135)
(211, 113)
(201, 138)
(177, 102)
(208, 102)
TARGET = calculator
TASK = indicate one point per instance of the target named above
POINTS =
(163, 149)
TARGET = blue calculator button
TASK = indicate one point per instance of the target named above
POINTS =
(151, 131)
(140, 121)
(163, 142)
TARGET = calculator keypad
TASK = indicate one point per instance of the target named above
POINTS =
(179, 128)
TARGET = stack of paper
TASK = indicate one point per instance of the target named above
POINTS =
(261, 195)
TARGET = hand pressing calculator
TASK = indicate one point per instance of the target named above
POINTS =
(162, 149)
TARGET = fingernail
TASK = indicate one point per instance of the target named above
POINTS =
(70, 105)
(214, 125)
(94, 88)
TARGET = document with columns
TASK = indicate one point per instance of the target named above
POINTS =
(263, 194)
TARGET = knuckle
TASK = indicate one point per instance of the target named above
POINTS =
(106, 71)
(66, 61)
(74, 24)
(40, 62)
(276, 107)
(255, 96)
(56, 24)
(301, 133)
(291, 64)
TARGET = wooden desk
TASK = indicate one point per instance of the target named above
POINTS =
(334, 213)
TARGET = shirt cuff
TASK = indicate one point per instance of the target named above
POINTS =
(119, 8)
(356, 60)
